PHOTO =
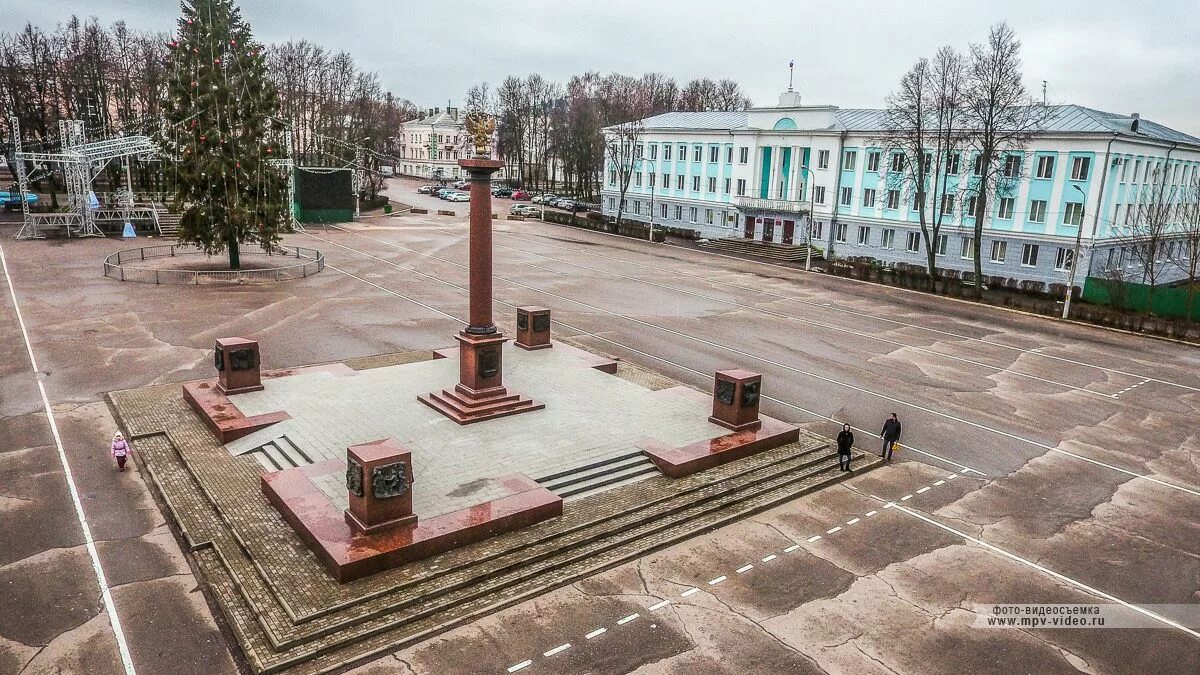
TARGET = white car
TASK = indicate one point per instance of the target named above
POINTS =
(525, 210)
(459, 197)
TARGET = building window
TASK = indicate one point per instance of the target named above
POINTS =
(666, 180)
(1074, 214)
(977, 169)
(667, 152)
(612, 177)
(743, 155)
(1006, 207)
(712, 184)
(943, 242)
(864, 235)
(1012, 166)
(708, 216)
(651, 176)
(697, 152)
(653, 151)
(1062, 261)
(913, 243)
(1045, 167)
(819, 194)
(893, 198)
(727, 182)
(928, 162)
(967, 250)
(637, 207)
(637, 179)
(1080, 167)
(848, 158)
(972, 207)
(714, 153)
(873, 160)
(692, 213)
(741, 186)
(999, 250)
(695, 183)
(822, 159)
(1037, 211)
(897, 162)
(637, 151)
(847, 196)
(662, 210)
(612, 204)
(678, 213)
(948, 205)
(679, 182)
(868, 198)
(817, 228)
(682, 152)
(1029, 255)
(889, 236)
(952, 167)
(840, 235)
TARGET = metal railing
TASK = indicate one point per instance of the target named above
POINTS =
(123, 265)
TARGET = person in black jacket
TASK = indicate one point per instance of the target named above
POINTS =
(890, 434)
(845, 441)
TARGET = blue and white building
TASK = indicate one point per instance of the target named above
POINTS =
(759, 173)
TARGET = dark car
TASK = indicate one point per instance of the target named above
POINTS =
(442, 193)
(503, 192)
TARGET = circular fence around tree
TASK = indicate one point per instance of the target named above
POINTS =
(179, 264)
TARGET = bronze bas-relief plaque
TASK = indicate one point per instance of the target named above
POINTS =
(354, 478)
(389, 480)
(489, 362)
(725, 390)
(749, 394)
(243, 359)
(541, 322)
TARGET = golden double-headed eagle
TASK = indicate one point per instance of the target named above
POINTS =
(480, 127)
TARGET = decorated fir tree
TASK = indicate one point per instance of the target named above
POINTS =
(221, 133)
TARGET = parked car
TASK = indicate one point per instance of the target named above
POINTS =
(458, 197)
(425, 189)
(525, 210)
(521, 196)
(442, 193)
(462, 185)
(547, 198)
(502, 192)
(566, 204)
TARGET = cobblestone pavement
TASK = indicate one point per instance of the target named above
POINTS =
(1062, 466)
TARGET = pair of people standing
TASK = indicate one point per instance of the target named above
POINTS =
(890, 435)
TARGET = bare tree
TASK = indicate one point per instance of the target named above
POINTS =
(1187, 256)
(923, 129)
(623, 151)
(705, 95)
(1147, 228)
(1002, 118)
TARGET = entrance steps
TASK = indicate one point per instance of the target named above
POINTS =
(599, 476)
(760, 249)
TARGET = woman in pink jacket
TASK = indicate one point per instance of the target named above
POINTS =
(120, 450)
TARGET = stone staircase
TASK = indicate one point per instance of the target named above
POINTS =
(280, 454)
(758, 249)
(617, 514)
(591, 478)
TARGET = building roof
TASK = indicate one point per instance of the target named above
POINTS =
(1062, 119)
(441, 119)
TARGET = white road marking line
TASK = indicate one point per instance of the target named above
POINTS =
(769, 558)
(924, 489)
(952, 476)
(90, 543)
(520, 666)
(813, 538)
(889, 505)
(1051, 572)
(791, 548)
(714, 582)
(689, 592)
(631, 617)
(939, 482)
(871, 513)
(744, 568)
(906, 498)
(852, 521)
(658, 605)
(560, 648)
(834, 529)
(596, 633)
(749, 355)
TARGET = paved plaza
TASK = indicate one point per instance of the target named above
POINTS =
(1043, 463)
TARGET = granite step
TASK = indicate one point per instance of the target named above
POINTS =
(597, 476)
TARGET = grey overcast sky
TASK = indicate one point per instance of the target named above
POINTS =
(1120, 56)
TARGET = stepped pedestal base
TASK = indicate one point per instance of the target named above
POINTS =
(465, 406)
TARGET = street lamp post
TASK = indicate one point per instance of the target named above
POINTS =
(808, 231)
(1074, 255)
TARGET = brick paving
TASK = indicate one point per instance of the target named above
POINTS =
(288, 614)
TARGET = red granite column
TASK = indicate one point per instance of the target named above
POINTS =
(480, 393)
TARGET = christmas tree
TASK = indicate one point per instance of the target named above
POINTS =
(221, 133)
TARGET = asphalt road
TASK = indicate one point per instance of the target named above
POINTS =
(1074, 452)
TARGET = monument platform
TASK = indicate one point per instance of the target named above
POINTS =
(290, 614)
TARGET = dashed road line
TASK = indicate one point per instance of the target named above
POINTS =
(906, 498)
(939, 482)
(769, 558)
(520, 666)
(658, 605)
(688, 592)
(556, 650)
(834, 529)
(596, 633)
(791, 548)
(813, 538)
(714, 582)
(924, 489)
(852, 521)
(744, 568)
(870, 513)
(627, 619)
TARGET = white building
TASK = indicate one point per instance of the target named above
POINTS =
(757, 174)
(430, 147)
